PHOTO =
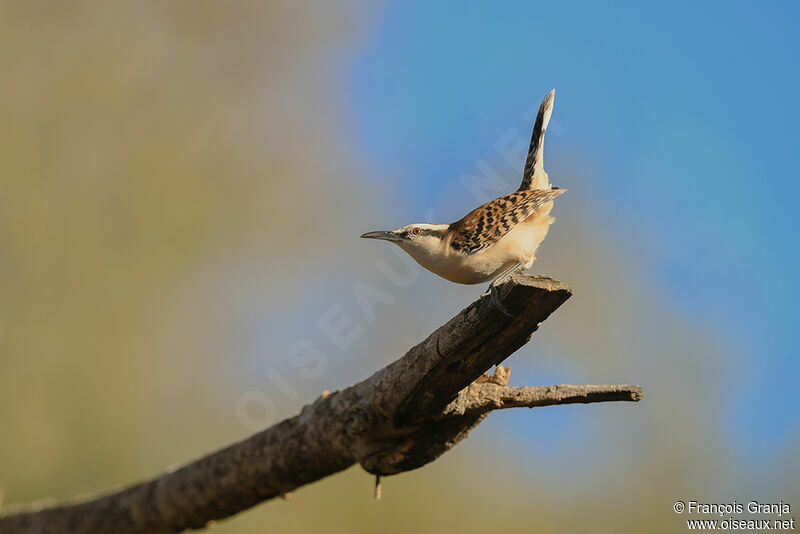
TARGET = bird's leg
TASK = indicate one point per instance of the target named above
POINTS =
(500, 280)
(495, 300)
(502, 277)
(511, 271)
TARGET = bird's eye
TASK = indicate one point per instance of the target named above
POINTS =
(416, 231)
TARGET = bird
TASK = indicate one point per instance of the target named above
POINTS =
(495, 240)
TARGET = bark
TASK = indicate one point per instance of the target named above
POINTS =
(402, 417)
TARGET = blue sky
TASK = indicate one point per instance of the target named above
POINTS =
(688, 111)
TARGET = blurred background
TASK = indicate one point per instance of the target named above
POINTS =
(183, 184)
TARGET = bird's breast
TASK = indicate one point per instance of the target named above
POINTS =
(517, 246)
(461, 268)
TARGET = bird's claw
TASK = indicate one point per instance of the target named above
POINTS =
(495, 300)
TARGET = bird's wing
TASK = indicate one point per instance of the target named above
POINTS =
(488, 223)
(533, 176)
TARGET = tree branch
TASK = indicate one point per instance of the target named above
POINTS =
(486, 397)
(400, 418)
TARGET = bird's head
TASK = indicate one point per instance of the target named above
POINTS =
(420, 239)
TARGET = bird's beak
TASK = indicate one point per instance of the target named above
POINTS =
(386, 236)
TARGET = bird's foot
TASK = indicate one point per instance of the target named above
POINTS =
(495, 300)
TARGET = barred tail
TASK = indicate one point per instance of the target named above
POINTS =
(534, 177)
